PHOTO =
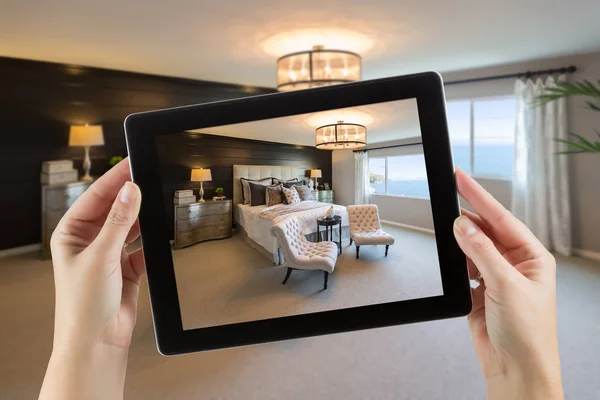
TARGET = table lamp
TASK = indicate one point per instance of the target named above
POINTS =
(86, 136)
(316, 173)
(201, 175)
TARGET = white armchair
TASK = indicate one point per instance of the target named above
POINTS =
(299, 253)
(365, 228)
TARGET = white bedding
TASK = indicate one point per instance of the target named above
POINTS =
(258, 227)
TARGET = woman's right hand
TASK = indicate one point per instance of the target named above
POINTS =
(513, 320)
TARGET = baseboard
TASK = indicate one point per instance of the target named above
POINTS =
(592, 255)
(411, 227)
(15, 251)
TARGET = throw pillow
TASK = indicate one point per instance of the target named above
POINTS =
(274, 195)
(291, 195)
(288, 184)
(246, 196)
(304, 192)
(257, 193)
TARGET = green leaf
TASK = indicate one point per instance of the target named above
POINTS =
(576, 145)
(582, 140)
(592, 106)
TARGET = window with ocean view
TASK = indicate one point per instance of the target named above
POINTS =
(403, 175)
(482, 135)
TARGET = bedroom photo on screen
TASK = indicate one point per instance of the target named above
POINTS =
(260, 228)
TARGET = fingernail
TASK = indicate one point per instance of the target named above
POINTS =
(128, 193)
(465, 226)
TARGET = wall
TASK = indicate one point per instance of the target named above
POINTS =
(343, 176)
(179, 153)
(38, 102)
(583, 169)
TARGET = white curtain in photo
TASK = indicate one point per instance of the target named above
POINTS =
(540, 188)
(361, 174)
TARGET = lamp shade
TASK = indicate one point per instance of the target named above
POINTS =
(201, 175)
(315, 173)
(86, 135)
(317, 67)
(341, 136)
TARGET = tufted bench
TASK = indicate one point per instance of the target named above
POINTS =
(299, 253)
(365, 228)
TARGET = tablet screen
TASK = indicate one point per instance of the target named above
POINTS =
(287, 175)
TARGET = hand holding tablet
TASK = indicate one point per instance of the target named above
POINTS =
(520, 360)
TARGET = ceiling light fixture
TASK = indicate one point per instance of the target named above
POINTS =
(317, 67)
(341, 136)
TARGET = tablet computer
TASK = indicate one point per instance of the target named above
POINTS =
(216, 264)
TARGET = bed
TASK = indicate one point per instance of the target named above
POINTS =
(255, 222)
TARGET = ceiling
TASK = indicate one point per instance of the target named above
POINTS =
(384, 122)
(238, 41)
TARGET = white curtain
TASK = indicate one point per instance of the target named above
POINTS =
(361, 173)
(540, 189)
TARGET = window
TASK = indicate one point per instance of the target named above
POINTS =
(482, 135)
(377, 175)
(403, 175)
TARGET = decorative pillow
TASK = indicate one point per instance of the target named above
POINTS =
(246, 196)
(304, 192)
(257, 193)
(274, 195)
(288, 184)
(291, 195)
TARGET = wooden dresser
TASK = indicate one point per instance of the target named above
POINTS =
(56, 200)
(325, 196)
(198, 222)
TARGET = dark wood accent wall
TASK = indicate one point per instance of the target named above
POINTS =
(38, 103)
(179, 153)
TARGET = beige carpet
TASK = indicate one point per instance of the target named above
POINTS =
(432, 360)
(228, 281)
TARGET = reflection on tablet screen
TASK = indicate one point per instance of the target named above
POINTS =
(227, 253)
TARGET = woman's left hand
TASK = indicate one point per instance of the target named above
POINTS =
(97, 287)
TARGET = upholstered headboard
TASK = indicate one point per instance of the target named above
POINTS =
(283, 172)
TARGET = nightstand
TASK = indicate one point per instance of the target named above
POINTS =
(199, 222)
(324, 196)
(56, 200)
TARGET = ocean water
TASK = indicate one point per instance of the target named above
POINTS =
(489, 161)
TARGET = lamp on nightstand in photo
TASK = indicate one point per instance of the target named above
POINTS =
(316, 174)
(201, 175)
(86, 136)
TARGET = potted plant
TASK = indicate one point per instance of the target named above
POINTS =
(219, 192)
(591, 92)
(115, 160)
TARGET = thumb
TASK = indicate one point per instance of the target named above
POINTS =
(122, 216)
(476, 245)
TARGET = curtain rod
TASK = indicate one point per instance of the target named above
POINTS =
(387, 147)
(527, 74)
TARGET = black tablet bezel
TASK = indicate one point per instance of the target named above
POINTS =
(140, 131)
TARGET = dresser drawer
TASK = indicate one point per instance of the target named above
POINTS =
(192, 224)
(190, 211)
(61, 198)
(201, 234)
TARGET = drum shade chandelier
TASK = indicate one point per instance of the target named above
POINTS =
(341, 136)
(317, 67)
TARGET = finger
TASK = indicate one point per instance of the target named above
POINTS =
(137, 263)
(473, 271)
(478, 296)
(507, 229)
(132, 267)
(97, 200)
(486, 229)
(494, 269)
(123, 214)
(134, 233)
